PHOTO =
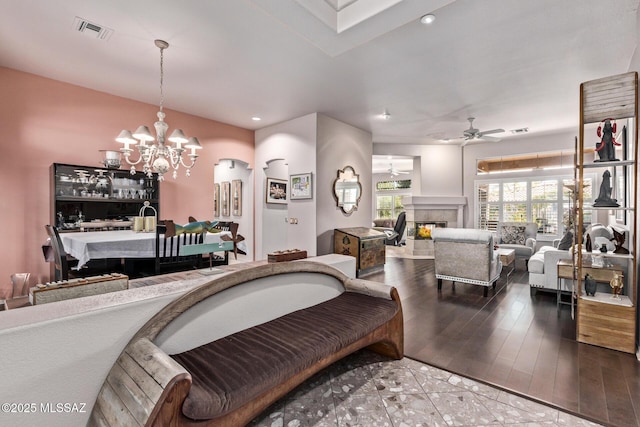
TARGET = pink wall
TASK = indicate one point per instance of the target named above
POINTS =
(44, 121)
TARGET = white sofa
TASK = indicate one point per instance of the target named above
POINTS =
(543, 272)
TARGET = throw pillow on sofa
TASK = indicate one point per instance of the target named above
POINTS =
(566, 242)
(513, 235)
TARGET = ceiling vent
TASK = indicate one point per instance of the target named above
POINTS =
(519, 131)
(92, 29)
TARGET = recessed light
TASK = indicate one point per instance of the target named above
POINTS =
(256, 118)
(428, 18)
(385, 115)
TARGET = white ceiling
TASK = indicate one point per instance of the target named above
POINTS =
(511, 64)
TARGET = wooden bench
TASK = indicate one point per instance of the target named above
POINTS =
(230, 380)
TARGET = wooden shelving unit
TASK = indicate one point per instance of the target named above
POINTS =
(601, 319)
(99, 195)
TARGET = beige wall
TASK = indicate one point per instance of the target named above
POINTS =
(44, 121)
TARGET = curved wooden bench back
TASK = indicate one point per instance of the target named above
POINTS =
(157, 323)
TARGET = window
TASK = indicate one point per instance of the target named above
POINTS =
(389, 196)
(544, 205)
(389, 206)
(546, 201)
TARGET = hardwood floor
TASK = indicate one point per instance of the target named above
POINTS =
(514, 341)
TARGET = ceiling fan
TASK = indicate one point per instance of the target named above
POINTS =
(395, 172)
(473, 134)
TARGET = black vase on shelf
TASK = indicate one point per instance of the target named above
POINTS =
(589, 285)
(588, 245)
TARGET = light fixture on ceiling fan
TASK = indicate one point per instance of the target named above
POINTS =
(473, 134)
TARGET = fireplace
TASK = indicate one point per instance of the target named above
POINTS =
(424, 213)
(422, 230)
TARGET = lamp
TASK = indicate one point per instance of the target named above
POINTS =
(158, 157)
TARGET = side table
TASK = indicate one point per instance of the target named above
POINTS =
(507, 257)
(565, 271)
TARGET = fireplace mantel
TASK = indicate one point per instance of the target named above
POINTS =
(435, 202)
(438, 202)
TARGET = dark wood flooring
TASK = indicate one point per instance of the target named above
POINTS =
(514, 341)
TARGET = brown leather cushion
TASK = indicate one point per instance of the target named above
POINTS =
(235, 369)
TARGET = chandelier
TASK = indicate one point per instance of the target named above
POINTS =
(158, 157)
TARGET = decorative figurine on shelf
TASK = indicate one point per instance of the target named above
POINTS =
(616, 285)
(606, 147)
(590, 285)
(604, 197)
(604, 248)
(588, 245)
(618, 239)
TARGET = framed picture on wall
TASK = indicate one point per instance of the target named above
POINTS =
(224, 197)
(236, 197)
(276, 191)
(300, 186)
(216, 200)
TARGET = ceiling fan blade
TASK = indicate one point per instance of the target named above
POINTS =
(487, 132)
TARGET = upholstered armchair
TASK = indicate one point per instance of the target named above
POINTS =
(466, 255)
(519, 236)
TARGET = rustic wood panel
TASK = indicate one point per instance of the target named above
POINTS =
(609, 97)
(607, 325)
(157, 363)
(130, 394)
(141, 377)
(372, 253)
(76, 288)
(112, 408)
(97, 419)
(347, 245)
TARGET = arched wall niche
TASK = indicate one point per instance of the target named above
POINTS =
(240, 179)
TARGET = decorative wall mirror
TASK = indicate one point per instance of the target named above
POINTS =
(347, 190)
